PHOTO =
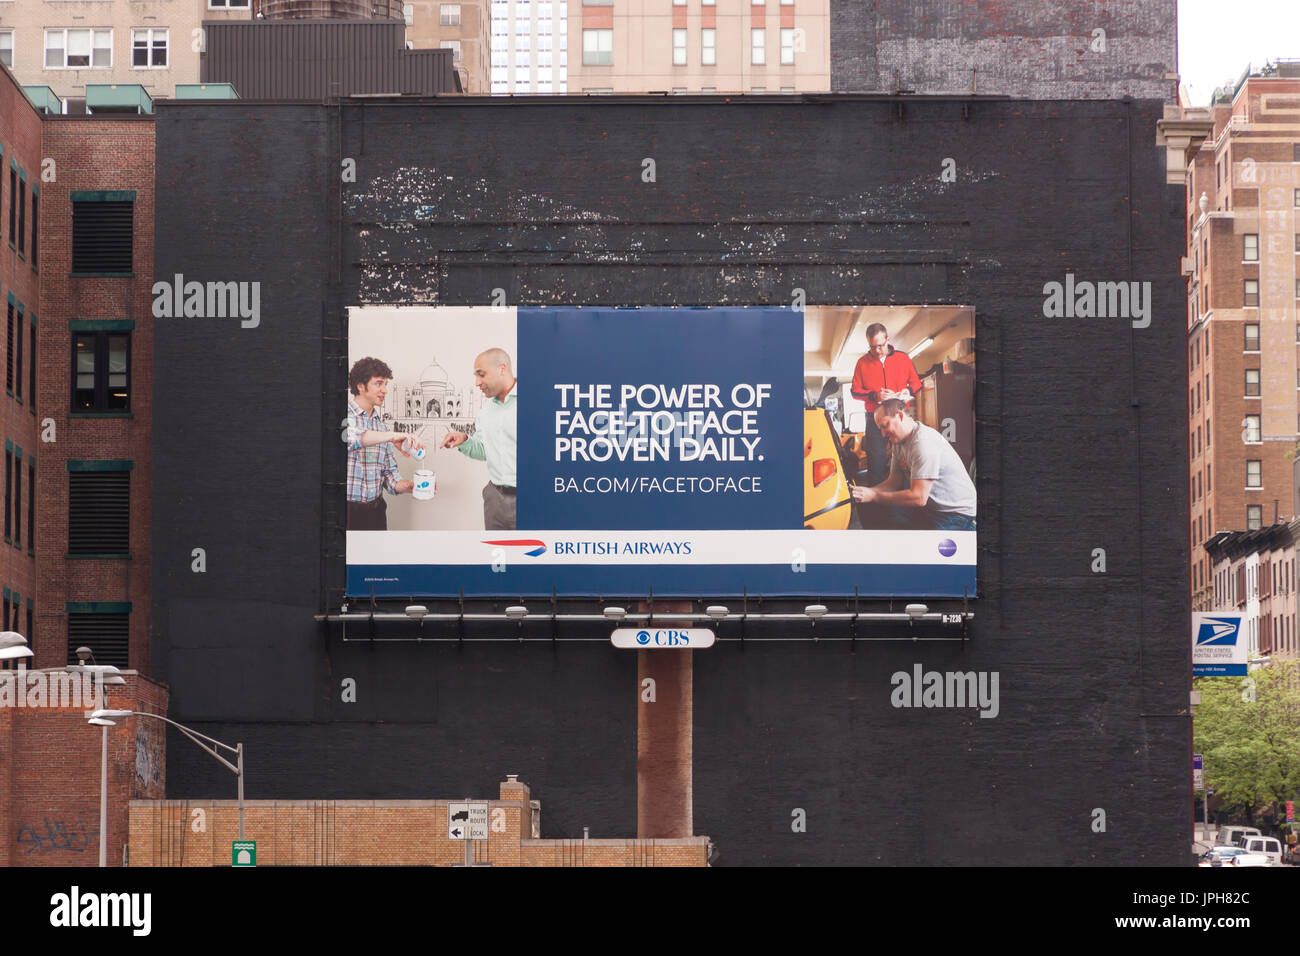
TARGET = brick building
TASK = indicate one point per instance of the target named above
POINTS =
(92, 549)
(379, 833)
(1242, 183)
(24, 210)
(50, 772)
(1254, 572)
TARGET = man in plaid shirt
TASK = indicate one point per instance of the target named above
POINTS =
(372, 466)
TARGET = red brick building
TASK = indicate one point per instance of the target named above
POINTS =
(1243, 339)
(23, 210)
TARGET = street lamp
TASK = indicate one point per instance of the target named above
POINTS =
(210, 747)
(13, 646)
(101, 719)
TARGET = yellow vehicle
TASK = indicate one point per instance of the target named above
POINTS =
(826, 501)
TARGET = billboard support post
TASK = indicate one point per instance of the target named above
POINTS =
(664, 740)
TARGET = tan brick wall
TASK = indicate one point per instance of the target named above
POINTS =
(373, 833)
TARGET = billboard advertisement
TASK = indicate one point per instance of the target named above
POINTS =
(825, 451)
(1219, 644)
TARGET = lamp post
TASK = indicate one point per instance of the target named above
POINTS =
(209, 745)
(106, 674)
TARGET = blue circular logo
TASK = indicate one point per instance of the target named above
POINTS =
(947, 547)
(643, 637)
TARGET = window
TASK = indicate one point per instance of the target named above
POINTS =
(1253, 479)
(1250, 292)
(224, 4)
(18, 499)
(35, 197)
(101, 371)
(1250, 429)
(453, 46)
(1297, 198)
(148, 49)
(759, 89)
(13, 206)
(449, 15)
(1297, 242)
(523, 61)
(1254, 517)
(17, 360)
(597, 47)
(1250, 247)
(787, 46)
(78, 49)
(104, 628)
(9, 492)
(1209, 486)
(7, 48)
(102, 234)
(679, 48)
(22, 213)
(31, 365)
(11, 320)
(709, 47)
(1252, 337)
(31, 507)
(99, 512)
(1252, 383)
(758, 47)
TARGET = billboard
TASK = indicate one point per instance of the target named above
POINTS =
(1219, 644)
(693, 451)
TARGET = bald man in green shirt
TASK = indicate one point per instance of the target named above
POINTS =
(495, 438)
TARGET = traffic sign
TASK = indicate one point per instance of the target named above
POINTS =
(243, 853)
(1198, 773)
(467, 821)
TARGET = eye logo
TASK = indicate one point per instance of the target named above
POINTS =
(643, 637)
(947, 547)
(538, 547)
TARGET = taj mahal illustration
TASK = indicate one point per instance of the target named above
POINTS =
(432, 399)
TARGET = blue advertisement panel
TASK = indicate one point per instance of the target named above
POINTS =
(693, 451)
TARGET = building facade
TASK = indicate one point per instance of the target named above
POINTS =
(65, 46)
(464, 28)
(530, 46)
(1254, 573)
(1242, 190)
(250, 649)
(696, 46)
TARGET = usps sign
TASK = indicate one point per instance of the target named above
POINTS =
(1219, 644)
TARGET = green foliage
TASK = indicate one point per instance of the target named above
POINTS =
(1251, 746)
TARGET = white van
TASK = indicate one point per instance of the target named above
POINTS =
(1230, 835)
(1270, 847)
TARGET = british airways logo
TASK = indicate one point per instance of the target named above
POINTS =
(1218, 631)
(538, 547)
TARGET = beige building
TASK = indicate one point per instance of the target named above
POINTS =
(697, 46)
(66, 44)
(464, 28)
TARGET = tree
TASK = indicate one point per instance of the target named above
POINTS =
(1248, 729)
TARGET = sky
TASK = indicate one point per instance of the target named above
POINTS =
(1217, 39)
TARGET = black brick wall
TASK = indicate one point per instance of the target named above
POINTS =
(1080, 428)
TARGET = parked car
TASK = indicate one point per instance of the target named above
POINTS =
(1221, 855)
(1251, 859)
(1270, 847)
(1230, 835)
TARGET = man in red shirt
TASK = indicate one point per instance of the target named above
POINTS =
(882, 373)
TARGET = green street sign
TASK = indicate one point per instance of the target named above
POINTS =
(243, 853)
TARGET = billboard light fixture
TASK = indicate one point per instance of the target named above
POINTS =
(716, 611)
(915, 611)
(516, 612)
(615, 613)
(416, 611)
(815, 611)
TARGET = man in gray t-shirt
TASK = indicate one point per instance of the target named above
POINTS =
(927, 485)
